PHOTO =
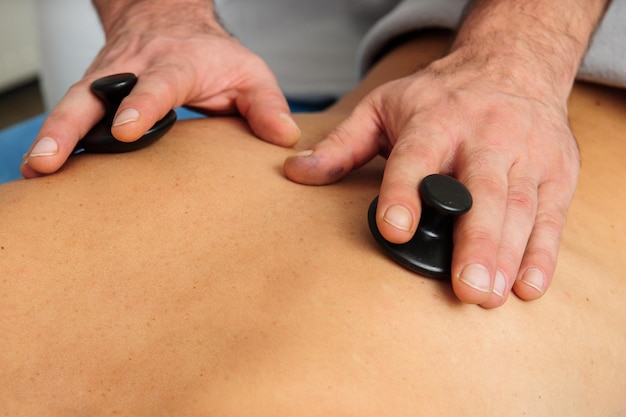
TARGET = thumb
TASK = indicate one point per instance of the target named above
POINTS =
(265, 108)
(350, 145)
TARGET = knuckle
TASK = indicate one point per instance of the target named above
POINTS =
(510, 255)
(61, 125)
(545, 240)
(401, 186)
(419, 147)
(411, 150)
(551, 220)
(542, 256)
(521, 202)
(339, 136)
(480, 237)
(489, 183)
(79, 86)
(522, 197)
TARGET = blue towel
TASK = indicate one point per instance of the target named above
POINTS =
(15, 141)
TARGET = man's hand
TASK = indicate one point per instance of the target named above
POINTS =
(493, 114)
(182, 56)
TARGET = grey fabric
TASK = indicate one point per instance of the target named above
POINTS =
(408, 16)
(605, 60)
(318, 49)
(311, 46)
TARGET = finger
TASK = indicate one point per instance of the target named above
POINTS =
(265, 108)
(351, 144)
(521, 208)
(417, 153)
(77, 112)
(477, 233)
(155, 94)
(541, 254)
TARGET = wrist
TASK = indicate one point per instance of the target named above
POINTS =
(536, 43)
(147, 15)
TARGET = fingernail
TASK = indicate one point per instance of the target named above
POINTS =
(127, 116)
(302, 154)
(286, 117)
(476, 276)
(399, 217)
(45, 147)
(534, 278)
(499, 285)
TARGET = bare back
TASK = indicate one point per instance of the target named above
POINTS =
(192, 278)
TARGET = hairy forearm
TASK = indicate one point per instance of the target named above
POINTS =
(542, 40)
(151, 13)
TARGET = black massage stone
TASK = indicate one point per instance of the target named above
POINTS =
(429, 252)
(111, 91)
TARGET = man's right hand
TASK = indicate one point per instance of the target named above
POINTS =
(182, 56)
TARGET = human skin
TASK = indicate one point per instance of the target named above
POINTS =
(191, 279)
(491, 112)
(182, 55)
